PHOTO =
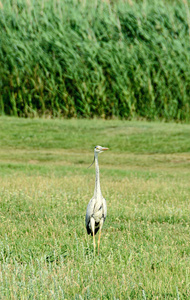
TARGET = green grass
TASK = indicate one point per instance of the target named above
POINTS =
(45, 187)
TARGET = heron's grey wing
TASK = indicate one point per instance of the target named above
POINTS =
(89, 211)
(104, 208)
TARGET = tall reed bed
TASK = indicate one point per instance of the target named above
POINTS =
(95, 58)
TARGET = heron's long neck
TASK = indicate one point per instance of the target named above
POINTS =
(97, 190)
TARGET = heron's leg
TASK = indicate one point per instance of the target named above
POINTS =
(92, 223)
(101, 224)
(99, 241)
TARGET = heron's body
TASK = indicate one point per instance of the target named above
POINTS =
(97, 209)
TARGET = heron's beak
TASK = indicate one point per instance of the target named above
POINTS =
(104, 148)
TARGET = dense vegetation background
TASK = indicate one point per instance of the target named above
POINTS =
(95, 58)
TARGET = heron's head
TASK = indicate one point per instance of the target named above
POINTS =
(99, 149)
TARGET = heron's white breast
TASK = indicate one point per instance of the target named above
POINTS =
(98, 214)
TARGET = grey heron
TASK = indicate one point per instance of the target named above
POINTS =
(97, 209)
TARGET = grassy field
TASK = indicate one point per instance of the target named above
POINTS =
(45, 187)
